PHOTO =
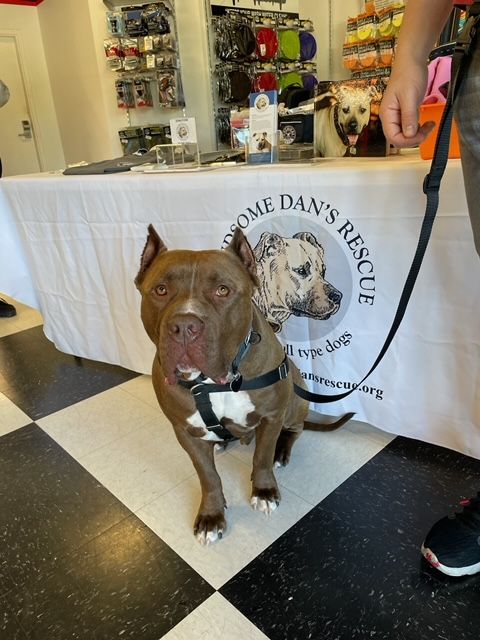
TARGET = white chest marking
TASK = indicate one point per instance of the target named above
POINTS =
(235, 406)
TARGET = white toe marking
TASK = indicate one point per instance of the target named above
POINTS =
(265, 506)
(206, 538)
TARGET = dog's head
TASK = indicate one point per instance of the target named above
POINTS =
(196, 305)
(259, 141)
(294, 278)
(353, 109)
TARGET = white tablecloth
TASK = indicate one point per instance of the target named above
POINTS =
(70, 246)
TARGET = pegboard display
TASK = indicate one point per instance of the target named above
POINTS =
(255, 50)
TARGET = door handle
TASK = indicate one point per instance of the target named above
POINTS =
(27, 130)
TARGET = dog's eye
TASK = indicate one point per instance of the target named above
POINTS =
(161, 290)
(346, 109)
(362, 110)
(303, 271)
(222, 291)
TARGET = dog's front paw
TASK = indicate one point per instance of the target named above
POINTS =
(209, 528)
(265, 500)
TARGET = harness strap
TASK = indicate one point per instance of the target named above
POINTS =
(431, 188)
(201, 391)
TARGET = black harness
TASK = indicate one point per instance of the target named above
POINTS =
(201, 389)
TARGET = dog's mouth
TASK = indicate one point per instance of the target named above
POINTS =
(188, 368)
(352, 139)
(315, 314)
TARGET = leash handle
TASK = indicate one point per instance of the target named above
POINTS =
(431, 186)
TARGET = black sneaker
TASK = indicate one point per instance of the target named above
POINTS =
(453, 543)
(6, 310)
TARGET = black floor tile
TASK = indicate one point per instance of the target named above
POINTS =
(40, 380)
(74, 561)
(351, 568)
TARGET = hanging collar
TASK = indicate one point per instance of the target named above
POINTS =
(351, 150)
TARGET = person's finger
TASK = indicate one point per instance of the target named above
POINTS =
(401, 141)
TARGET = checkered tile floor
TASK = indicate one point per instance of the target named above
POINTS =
(97, 502)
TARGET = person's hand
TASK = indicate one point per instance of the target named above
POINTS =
(400, 103)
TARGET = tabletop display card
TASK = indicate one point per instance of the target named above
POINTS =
(262, 146)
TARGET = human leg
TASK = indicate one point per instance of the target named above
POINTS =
(453, 543)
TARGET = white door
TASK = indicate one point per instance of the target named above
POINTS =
(18, 150)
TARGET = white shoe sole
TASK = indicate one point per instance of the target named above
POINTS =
(455, 572)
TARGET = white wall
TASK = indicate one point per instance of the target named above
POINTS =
(70, 50)
(330, 21)
(23, 21)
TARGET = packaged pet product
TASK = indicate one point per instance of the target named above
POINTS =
(125, 93)
(115, 23)
(131, 53)
(239, 123)
(134, 22)
(155, 18)
(267, 44)
(240, 86)
(170, 92)
(308, 46)
(114, 54)
(266, 81)
(350, 56)
(289, 45)
(132, 140)
(143, 94)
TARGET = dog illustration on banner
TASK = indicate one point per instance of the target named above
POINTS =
(343, 111)
(291, 272)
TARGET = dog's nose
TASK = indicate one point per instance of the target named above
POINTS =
(334, 295)
(185, 328)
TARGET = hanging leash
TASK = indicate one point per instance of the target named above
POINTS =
(431, 186)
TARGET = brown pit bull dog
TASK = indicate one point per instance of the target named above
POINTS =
(219, 371)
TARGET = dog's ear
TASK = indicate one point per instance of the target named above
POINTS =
(240, 246)
(268, 245)
(153, 247)
(309, 237)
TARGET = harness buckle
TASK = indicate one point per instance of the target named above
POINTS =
(467, 34)
(236, 383)
(197, 389)
(283, 370)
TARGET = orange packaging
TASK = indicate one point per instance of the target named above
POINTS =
(434, 112)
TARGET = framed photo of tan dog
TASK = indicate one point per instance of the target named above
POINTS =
(346, 121)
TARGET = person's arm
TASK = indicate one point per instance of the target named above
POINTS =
(422, 25)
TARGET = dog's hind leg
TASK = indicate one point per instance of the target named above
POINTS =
(265, 492)
(285, 442)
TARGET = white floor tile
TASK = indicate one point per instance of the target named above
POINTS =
(97, 421)
(11, 417)
(215, 619)
(142, 389)
(26, 318)
(320, 462)
(249, 532)
(142, 465)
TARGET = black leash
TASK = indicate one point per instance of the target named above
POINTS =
(431, 186)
